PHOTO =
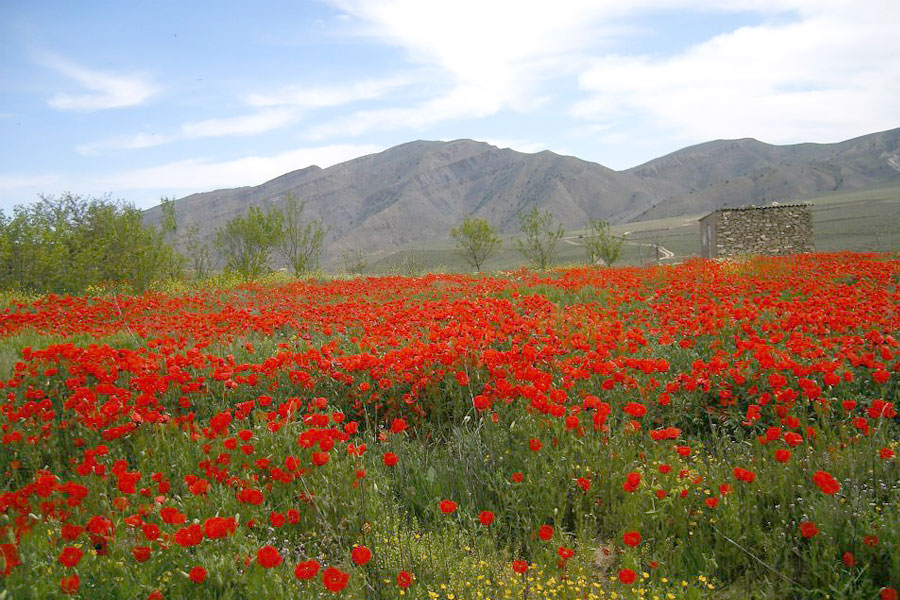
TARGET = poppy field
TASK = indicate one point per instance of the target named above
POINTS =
(705, 430)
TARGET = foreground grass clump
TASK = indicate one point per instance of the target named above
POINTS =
(698, 431)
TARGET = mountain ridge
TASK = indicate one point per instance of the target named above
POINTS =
(419, 190)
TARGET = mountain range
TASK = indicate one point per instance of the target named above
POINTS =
(418, 191)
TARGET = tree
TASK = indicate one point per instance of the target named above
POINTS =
(600, 244)
(476, 241)
(67, 243)
(246, 241)
(300, 243)
(541, 237)
(199, 254)
(355, 262)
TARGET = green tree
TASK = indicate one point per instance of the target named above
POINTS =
(301, 242)
(246, 241)
(476, 241)
(199, 254)
(355, 262)
(600, 244)
(541, 235)
(67, 243)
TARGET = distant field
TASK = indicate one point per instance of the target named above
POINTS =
(867, 220)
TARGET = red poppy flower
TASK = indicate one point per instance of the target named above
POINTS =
(70, 556)
(635, 409)
(141, 553)
(627, 576)
(848, 559)
(197, 574)
(70, 584)
(545, 532)
(887, 593)
(517, 477)
(632, 481)
(486, 517)
(306, 569)
(268, 557)
(631, 538)
(404, 580)
(782, 455)
(519, 566)
(189, 536)
(334, 579)
(827, 483)
(808, 529)
(565, 553)
(361, 555)
(390, 459)
(448, 507)
(535, 445)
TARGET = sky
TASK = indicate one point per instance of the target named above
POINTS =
(146, 99)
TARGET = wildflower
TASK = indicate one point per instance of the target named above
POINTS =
(486, 517)
(827, 483)
(361, 555)
(70, 584)
(404, 580)
(306, 569)
(627, 576)
(389, 459)
(70, 556)
(808, 529)
(519, 566)
(197, 574)
(334, 579)
(447, 507)
(545, 532)
(268, 557)
(631, 538)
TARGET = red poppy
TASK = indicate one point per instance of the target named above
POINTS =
(848, 559)
(827, 483)
(197, 574)
(631, 538)
(486, 517)
(808, 529)
(632, 481)
(268, 557)
(519, 566)
(404, 580)
(70, 556)
(306, 569)
(627, 576)
(390, 459)
(448, 507)
(782, 455)
(141, 553)
(534, 445)
(70, 584)
(565, 553)
(545, 532)
(517, 477)
(887, 593)
(361, 555)
(189, 536)
(334, 579)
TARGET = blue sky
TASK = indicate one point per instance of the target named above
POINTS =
(144, 99)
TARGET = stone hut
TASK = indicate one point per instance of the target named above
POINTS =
(778, 229)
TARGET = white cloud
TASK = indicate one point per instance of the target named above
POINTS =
(243, 125)
(195, 175)
(324, 97)
(106, 90)
(829, 75)
(463, 101)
